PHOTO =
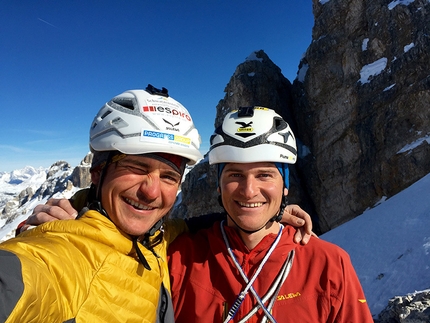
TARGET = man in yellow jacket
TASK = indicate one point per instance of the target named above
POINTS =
(110, 264)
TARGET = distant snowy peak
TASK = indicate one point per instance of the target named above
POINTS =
(253, 57)
(21, 190)
(15, 181)
(23, 175)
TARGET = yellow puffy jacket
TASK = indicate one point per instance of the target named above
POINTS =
(85, 271)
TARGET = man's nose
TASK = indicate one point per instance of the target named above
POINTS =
(249, 187)
(150, 187)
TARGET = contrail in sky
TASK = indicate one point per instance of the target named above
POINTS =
(47, 23)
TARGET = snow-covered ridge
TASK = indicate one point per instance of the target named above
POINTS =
(21, 190)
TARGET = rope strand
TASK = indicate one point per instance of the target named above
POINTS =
(233, 310)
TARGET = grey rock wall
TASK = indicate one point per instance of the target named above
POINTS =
(364, 98)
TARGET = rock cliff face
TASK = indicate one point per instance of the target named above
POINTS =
(412, 308)
(257, 81)
(362, 106)
(81, 176)
(359, 108)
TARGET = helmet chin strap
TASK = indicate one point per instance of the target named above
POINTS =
(275, 218)
(284, 204)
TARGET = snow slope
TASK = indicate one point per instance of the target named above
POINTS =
(389, 245)
(11, 184)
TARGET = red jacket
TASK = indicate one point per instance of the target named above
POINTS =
(322, 285)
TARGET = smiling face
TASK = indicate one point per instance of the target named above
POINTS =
(137, 192)
(252, 194)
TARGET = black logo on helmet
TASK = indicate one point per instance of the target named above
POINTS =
(245, 129)
(244, 124)
(172, 125)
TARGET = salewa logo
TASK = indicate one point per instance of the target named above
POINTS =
(245, 129)
(244, 124)
(172, 125)
(288, 296)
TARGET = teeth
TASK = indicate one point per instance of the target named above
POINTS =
(250, 204)
(138, 205)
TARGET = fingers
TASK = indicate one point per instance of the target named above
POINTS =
(54, 209)
(302, 237)
(64, 205)
(297, 217)
(306, 238)
(298, 236)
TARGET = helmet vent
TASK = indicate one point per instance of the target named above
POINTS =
(280, 124)
(104, 115)
(125, 103)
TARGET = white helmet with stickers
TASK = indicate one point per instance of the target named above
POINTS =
(145, 121)
(253, 134)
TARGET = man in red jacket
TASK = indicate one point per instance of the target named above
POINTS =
(247, 267)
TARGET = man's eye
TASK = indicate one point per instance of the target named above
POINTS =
(171, 179)
(134, 169)
(265, 175)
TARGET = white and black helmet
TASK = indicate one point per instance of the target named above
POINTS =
(253, 134)
(145, 121)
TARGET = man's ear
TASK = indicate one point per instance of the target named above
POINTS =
(95, 177)
(285, 191)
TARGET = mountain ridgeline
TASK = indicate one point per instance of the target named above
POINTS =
(359, 107)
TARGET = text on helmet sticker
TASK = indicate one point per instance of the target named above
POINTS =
(244, 126)
(287, 157)
(261, 108)
(255, 108)
(158, 136)
(166, 110)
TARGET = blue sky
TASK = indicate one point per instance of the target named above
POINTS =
(62, 60)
